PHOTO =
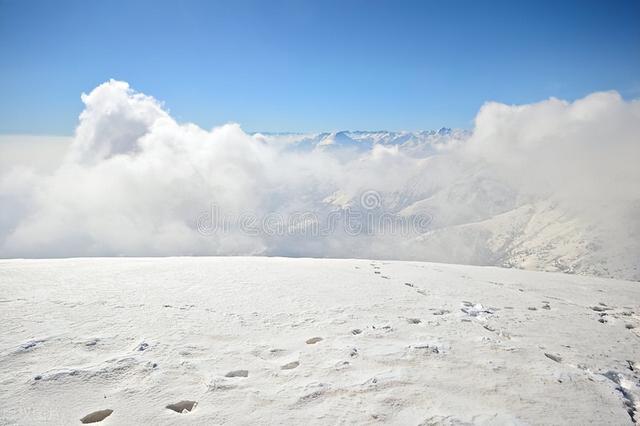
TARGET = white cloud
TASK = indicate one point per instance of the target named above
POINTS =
(42, 153)
(586, 150)
(135, 182)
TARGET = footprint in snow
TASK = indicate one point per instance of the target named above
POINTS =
(96, 416)
(27, 346)
(237, 373)
(428, 348)
(290, 365)
(314, 340)
(414, 320)
(553, 357)
(92, 342)
(182, 406)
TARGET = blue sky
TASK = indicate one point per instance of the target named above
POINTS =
(311, 66)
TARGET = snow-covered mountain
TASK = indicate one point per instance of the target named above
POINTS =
(476, 217)
(425, 142)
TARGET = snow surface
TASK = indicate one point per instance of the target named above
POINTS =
(313, 341)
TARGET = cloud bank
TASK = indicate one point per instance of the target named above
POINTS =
(136, 182)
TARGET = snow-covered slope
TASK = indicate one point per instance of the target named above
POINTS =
(538, 236)
(302, 341)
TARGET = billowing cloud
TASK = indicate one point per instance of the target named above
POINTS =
(586, 150)
(136, 182)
